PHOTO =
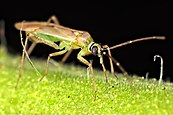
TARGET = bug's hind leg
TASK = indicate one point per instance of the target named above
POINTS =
(31, 48)
(66, 56)
(22, 62)
(48, 60)
(54, 19)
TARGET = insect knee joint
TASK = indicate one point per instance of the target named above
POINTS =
(50, 55)
(117, 64)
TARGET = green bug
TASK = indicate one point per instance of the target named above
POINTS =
(50, 33)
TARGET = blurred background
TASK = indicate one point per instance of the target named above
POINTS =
(108, 22)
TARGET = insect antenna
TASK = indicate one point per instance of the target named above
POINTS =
(24, 49)
(137, 40)
(126, 43)
(118, 64)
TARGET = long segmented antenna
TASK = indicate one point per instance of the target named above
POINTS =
(118, 64)
(24, 49)
(137, 40)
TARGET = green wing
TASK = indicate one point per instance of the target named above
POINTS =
(55, 34)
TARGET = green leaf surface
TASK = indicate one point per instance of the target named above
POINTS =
(67, 90)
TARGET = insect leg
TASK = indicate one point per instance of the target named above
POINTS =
(21, 62)
(116, 62)
(84, 61)
(54, 19)
(48, 60)
(110, 60)
(119, 66)
(66, 56)
(104, 69)
(30, 49)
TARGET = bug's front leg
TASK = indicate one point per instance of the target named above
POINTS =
(103, 66)
(48, 60)
(110, 60)
(84, 61)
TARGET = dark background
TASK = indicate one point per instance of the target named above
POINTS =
(108, 22)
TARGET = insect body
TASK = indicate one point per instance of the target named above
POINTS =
(50, 33)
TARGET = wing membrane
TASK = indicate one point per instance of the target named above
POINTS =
(49, 29)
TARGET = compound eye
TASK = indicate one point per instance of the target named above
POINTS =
(95, 50)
